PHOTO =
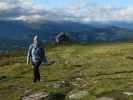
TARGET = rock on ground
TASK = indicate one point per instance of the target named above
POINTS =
(36, 96)
(104, 98)
(128, 93)
(78, 95)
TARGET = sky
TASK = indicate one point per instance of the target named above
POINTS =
(72, 10)
(62, 3)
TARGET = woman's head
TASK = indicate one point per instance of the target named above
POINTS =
(35, 39)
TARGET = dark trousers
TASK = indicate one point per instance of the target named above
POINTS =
(36, 71)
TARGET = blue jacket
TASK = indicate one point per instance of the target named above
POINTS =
(36, 54)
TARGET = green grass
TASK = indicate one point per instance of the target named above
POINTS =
(105, 70)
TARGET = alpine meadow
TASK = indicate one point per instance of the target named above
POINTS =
(66, 49)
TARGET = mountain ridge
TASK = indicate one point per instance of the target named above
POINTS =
(80, 32)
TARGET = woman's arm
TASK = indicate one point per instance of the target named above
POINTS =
(29, 54)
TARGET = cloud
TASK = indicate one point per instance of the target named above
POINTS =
(82, 10)
(4, 6)
(9, 9)
(126, 14)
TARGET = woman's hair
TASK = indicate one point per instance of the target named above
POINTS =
(35, 38)
(39, 42)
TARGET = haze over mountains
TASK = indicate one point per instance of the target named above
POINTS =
(17, 33)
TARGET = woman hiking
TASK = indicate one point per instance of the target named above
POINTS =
(36, 55)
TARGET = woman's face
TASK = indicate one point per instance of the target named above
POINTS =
(35, 41)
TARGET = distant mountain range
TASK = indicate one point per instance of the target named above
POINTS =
(19, 33)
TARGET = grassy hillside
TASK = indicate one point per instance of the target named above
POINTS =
(100, 69)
